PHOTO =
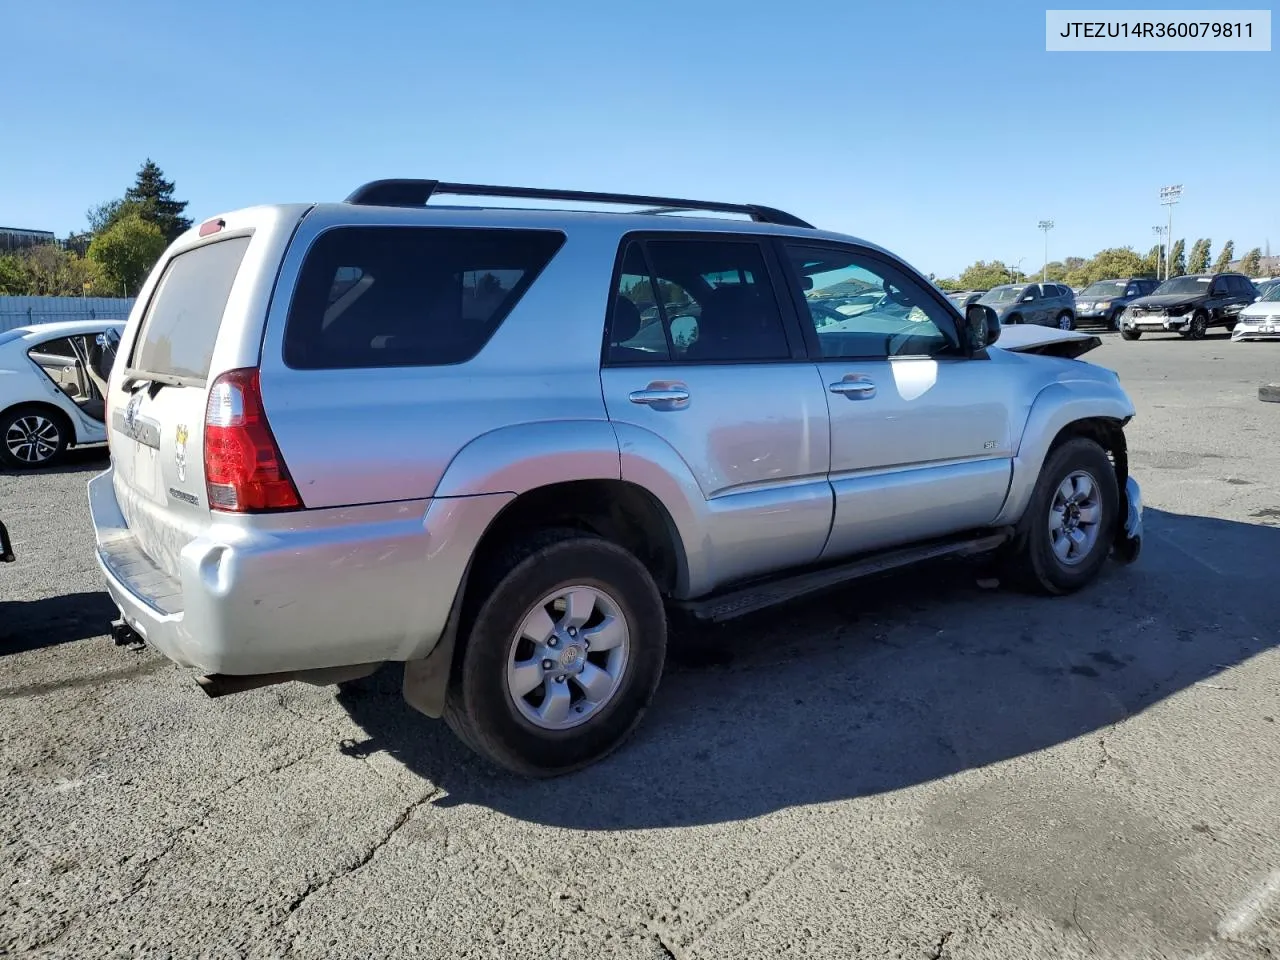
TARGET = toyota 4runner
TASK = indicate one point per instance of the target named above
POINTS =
(500, 445)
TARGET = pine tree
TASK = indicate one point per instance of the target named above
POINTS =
(1225, 257)
(1251, 265)
(1177, 259)
(152, 194)
(1198, 261)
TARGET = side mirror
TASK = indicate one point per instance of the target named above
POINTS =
(806, 283)
(1028, 298)
(982, 326)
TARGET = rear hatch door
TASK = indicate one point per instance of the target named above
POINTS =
(159, 389)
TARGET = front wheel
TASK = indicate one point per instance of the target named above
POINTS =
(32, 437)
(1199, 326)
(1114, 323)
(1066, 321)
(1130, 334)
(1064, 537)
(563, 656)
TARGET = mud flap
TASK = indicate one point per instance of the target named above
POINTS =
(1128, 545)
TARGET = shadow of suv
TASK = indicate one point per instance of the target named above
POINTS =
(1104, 302)
(1045, 304)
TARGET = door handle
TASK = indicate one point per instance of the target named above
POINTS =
(665, 395)
(854, 389)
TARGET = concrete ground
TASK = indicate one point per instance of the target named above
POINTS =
(912, 768)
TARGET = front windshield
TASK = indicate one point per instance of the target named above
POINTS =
(1272, 293)
(1105, 288)
(1183, 285)
(1002, 294)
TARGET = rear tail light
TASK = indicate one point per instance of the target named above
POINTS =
(243, 467)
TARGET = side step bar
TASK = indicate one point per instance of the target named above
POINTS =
(759, 596)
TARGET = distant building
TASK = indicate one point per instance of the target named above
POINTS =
(15, 238)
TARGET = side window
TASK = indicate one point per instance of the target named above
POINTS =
(636, 333)
(61, 347)
(1132, 290)
(408, 296)
(706, 301)
(862, 307)
(1031, 293)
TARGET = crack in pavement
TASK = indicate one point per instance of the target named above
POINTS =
(315, 887)
(936, 950)
(754, 893)
(138, 884)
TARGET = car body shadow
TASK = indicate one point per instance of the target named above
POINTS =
(93, 458)
(32, 624)
(886, 685)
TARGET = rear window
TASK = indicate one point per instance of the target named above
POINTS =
(182, 320)
(408, 296)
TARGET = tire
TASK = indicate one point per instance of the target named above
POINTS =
(1114, 322)
(1231, 326)
(1030, 560)
(1199, 326)
(47, 426)
(1066, 321)
(1014, 318)
(1269, 392)
(505, 726)
(1130, 334)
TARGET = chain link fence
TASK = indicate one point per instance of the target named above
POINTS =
(25, 311)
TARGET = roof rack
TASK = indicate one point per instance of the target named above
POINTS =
(416, 193)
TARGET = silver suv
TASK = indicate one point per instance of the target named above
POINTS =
(499, 445)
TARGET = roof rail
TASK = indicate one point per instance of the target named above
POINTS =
(415, 193)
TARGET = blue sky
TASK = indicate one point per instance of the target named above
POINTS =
(943, 131)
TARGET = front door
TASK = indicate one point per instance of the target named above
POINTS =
(921, 439)
(702, 372)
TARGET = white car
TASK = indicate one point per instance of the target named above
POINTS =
(1260, 320)
(50, 393)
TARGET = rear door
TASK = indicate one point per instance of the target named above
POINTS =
(725, 384)
(158, 397)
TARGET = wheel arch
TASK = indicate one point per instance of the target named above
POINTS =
(1090, 409)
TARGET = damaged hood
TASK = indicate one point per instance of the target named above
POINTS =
(1050, 341)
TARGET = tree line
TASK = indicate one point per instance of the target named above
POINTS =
(1114, 262)
(112, 258)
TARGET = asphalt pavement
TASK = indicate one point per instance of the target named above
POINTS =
(917, 767)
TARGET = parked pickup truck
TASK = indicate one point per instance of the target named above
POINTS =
(499, 446)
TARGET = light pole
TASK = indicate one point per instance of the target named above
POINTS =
(1168, 197)
(1046, 226)
(1159, 230)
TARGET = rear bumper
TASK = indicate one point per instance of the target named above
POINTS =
(302, 591)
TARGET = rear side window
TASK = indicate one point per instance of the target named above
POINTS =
(408, 296)
(182, 320)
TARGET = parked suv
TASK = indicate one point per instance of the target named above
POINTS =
(379, 430)
(1046, 304)
(1189, 306)
(1104, 302)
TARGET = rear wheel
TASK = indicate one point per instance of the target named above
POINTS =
(32, 437)
(1066, 321)
(1130, 334)
(1014, 318)
(1064, 537)
(563, 656)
